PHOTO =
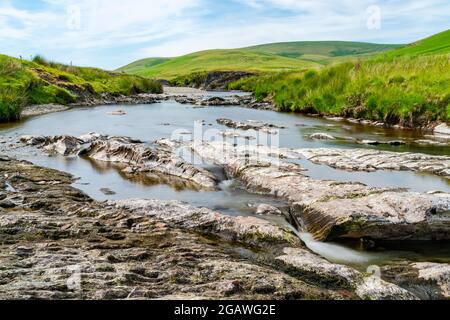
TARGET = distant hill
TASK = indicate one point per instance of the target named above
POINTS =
(437, 44)
(270, 57)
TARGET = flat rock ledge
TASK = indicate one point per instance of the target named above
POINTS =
(248, 230)
(137, 157)
(372, 160)
(427, 280)
(330, 209)
(300, 262)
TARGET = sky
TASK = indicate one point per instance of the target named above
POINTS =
(112, 33)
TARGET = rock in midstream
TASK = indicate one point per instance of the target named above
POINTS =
(298, 261)
(138, 156)
(372, 160)
(248, 125)
(331, 209)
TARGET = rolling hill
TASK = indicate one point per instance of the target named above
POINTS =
(436, 44)
(263, 58)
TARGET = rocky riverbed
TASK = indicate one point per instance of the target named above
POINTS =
(57, 243)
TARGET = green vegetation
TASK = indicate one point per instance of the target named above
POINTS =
(410, 91)
(277, 57)
(437, 44)
(40, 81)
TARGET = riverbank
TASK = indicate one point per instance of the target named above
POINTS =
(40, 82)
(409, 92)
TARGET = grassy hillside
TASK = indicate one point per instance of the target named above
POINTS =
(409, 86)
(323, 52)
(437, 44)
(265, 58)
(39, 82)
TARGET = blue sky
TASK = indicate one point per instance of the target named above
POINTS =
(111, 33)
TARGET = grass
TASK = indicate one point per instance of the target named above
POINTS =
(411, 90)
(436, 44)
(409, 86)
(277, 57)
(40, 81)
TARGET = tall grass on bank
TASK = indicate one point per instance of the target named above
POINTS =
(410, 91)
(11, 104)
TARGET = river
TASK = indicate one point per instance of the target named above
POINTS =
(161, 120)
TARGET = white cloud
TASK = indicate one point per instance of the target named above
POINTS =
(113, 32)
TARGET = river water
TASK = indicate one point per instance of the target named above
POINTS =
(162, 120)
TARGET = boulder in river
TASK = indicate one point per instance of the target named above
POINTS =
(248, 125)
(322, 136)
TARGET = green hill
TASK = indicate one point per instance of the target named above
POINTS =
(264, 58)
(408, 86)
(437, 44)
(39, 81)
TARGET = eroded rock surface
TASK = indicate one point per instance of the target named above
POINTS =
(297, 261)
(138, 157)
(249, 230)
(372, 160)
(57, 243)
(248, 125)
(427, 280)
(331, 209)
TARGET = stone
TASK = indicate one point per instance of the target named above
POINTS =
(305, 265)
(131, 152)
(427, 280)
(321, 136)
(248, 125)
(443, 128)
(266, 209)
(107, 192)
(249, 230)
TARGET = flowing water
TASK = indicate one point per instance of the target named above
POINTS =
(162, 120)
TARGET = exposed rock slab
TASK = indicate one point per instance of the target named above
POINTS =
(372, 160)
(331, 209)
(249, 230)
(139, 157)
(442, 129)
(427, 280)
(300, 262)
